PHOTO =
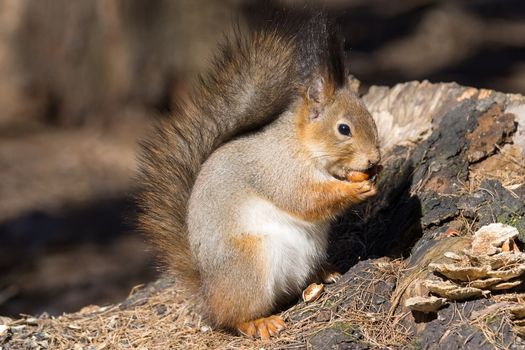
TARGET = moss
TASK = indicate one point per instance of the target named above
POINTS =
(492, 320)
(414, 345)
(350, 330)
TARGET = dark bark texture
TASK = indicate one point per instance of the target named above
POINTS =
(453, 162)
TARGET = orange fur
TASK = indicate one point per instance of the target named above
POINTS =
(262, 327)
(328, 199)
(246, 244)
(325, 200)
(230, 300)
(252, 82)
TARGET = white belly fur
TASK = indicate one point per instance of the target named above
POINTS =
(293, 248)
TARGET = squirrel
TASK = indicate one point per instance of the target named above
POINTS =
(241, 184)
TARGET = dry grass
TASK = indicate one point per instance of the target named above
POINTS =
(164, 319)
(507, 166)
(491, 324)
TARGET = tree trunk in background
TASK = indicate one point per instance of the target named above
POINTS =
(92, 61)
(82, 62)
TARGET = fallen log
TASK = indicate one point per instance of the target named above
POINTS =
(454, 162)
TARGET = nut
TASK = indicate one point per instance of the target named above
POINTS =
(312, 292)
(357, 176)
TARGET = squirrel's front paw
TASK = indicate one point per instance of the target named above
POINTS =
(363, 190)
(263, 328)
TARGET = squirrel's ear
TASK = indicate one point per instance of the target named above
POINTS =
(353, 83)
(318, 93)
(315, 90)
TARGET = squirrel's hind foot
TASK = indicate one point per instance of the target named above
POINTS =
(331, 277)
(263, 328)
(328, 274)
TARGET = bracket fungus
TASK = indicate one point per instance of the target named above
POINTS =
(493, 262)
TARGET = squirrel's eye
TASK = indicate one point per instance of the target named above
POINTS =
(344, 129)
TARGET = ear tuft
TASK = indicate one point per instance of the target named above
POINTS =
(353, 83)
(319, 93)
(315, 91)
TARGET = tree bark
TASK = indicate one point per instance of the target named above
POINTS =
(453, 162)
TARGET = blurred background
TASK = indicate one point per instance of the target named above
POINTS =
(81, 81)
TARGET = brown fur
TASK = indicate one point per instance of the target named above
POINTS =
(324, 200)
(327, 200)
(252, 80)
(262, 124)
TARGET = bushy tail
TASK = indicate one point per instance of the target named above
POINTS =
(252, 80)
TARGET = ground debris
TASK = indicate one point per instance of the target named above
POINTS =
(425, 304)
(489, 239)
(494, 126)
(490, 262)
(312, 292)
(431, 200)
(460, 273)
(452, 291)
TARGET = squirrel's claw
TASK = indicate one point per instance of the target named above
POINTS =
(263, 328)
(362, 190)
(332, 277)
(247, 328)
(328, 274)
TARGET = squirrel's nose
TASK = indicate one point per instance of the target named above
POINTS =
(373, 160)
(373, 165)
